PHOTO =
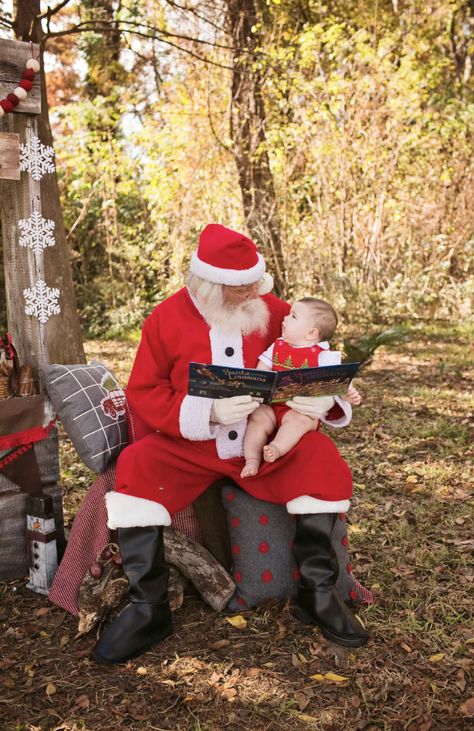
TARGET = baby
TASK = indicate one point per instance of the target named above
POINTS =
(306, 329)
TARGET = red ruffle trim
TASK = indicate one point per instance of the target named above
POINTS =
(36, 434)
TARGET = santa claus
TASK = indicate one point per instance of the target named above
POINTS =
(225, 316)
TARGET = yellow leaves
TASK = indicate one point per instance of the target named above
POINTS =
(237, 621)
(50, 689)
(329, 677)
(436, 658)
(306, 718)
(141, 670)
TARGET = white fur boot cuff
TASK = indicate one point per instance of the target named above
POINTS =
(126, 511)
(307, 505)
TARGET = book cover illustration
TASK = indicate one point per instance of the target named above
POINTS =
(213, 381)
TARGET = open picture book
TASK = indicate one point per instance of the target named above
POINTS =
(214, 381)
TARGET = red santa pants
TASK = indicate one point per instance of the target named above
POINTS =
(175, 471)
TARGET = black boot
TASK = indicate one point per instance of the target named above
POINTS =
(318, 602)
(147, 619)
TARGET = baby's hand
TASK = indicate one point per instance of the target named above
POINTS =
(352, 396)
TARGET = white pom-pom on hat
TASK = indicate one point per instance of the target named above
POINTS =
(266, 285)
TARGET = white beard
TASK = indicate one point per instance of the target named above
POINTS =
(248, 317)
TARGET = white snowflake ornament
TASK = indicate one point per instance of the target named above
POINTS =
(36, 232)
(42, 301)
(36, 158)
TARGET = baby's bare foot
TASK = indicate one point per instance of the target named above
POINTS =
(271, 452)
(250, 468)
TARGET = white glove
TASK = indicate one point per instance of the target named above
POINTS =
(314, 406)
(231, 410)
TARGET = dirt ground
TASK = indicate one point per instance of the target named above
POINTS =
(410, 448)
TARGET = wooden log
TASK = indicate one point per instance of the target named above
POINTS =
(212, 581)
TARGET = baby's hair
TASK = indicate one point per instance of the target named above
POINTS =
(325, 316)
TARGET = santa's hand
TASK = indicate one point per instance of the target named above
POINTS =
(314, 406)
(231, 410)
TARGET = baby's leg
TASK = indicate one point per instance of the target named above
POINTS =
(260, 425)
(293, 427)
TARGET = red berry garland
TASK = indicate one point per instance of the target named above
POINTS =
(26, 84)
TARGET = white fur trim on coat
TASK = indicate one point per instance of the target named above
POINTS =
(307, 505)
(127, 511)
(226, 447)
(233, 277)
(220, 342)
(194, 419)
(344, 420)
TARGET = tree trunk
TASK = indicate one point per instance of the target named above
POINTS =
(249, 139)
(63, 334)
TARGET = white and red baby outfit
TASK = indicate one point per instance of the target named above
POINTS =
(281, 356)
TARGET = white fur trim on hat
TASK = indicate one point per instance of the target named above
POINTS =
(127, 511)
(307, 505)
(232, 277)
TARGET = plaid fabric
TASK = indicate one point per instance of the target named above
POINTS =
(89, 535)
(91, 406)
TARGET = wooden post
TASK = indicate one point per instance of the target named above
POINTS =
(33, 299)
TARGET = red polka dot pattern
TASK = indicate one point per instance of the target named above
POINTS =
(296, 574)
(264, 547)
(267, 576)
(230, 495)
(238, 577)
(345, 541)
(241, 601)
(236, 549)
(354, 594)
(235, 522)
(263, 520)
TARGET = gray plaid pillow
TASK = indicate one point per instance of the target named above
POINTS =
(261, 537)
(91, 406)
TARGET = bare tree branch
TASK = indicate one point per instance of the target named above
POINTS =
(52, 11)
(192, 11)
(104, 27)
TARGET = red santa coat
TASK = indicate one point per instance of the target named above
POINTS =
(181, 453)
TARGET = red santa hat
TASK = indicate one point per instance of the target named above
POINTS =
(228, 257)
